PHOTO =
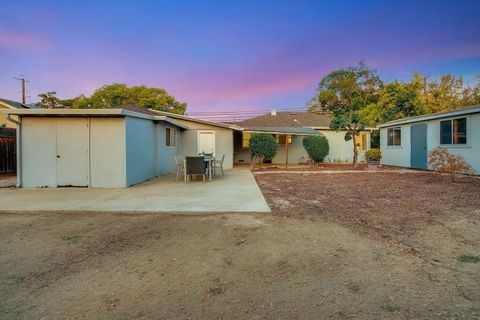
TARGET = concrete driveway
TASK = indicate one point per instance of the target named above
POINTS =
(237, 192)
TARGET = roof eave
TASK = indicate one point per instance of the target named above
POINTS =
(431, 117)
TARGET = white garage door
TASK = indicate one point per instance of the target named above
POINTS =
(55, 152)
(72, 152)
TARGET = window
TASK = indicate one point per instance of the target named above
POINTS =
(453, 131)
(170, 137)
(246, 139)
(394, 136)
(281, 138)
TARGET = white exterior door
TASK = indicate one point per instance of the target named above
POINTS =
(206, 142)
(72, 152)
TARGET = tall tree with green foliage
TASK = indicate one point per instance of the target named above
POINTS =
(120, 94)
(447, 93)
(396, 100)
(49, 100)
(345, 93)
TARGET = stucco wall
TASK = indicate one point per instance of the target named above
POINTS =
(223, 141)
(470, 151)
(166, 155)
(38, 149)
(107, 153)
(339, 150)
(400, 156)
(3, 119)
(140, 150)
(396, 155)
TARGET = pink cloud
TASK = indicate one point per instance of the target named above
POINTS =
(20, 41)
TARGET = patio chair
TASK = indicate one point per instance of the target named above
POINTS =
(180, 162)
(218, 164)
(195, 166)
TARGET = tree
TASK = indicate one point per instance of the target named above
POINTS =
(120, 94)
(49, 100)
(345, 93)
(441, 160)
(262, 147)
(445, 94)
(396, 100)
(317, 147)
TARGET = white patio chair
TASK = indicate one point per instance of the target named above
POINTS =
(180, 162)
(218, 164)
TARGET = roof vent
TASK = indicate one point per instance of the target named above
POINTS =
(273, 112)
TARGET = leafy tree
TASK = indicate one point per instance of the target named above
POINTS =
(375, 139)
(49, 100)
(262, 147)
(397, 100)
(345, 93)
(120, 94)
(445, 94)
(317, 147)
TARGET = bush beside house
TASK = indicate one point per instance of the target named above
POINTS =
(262, 147)
(441, 160)
(317, 147)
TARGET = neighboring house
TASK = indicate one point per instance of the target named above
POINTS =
(110, 148)
(9, 104)
(406, 142)
(292, 127)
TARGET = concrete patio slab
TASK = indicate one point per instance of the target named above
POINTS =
(237, 192)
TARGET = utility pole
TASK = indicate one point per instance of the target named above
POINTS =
(23, 80)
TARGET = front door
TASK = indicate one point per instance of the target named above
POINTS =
(206, 142)
(72, 152)
(418, 144)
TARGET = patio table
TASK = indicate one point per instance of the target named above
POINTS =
(209, 160)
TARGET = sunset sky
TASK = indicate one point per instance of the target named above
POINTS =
(229, 55)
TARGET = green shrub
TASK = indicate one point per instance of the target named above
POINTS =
(263, 146)
(373, 154)
(316, 147)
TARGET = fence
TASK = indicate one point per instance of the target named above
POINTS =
(8, 150)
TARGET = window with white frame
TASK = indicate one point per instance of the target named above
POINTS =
(394, 136)
(453, 131)
(170, 137)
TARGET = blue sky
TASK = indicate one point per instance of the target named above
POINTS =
(229, 55)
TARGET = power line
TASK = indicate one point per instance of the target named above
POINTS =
(238, 116)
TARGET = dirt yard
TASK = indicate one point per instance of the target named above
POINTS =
(337, 246)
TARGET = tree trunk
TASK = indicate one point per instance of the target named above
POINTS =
(355, 149)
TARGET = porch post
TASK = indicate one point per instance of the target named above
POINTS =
(286, 151)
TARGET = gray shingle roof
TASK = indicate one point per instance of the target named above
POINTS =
(288, 130)
(288, 119)
(14, 104)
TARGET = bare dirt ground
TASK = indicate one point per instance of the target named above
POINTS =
(328, 251)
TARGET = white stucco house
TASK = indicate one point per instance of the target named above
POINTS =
(290, 128)
(122, 146)
(406, 142)
(109, 148)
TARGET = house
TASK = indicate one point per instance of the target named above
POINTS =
(109, 148)
(406, 142)
(126, 145)
(289, 129)
(6, 104)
